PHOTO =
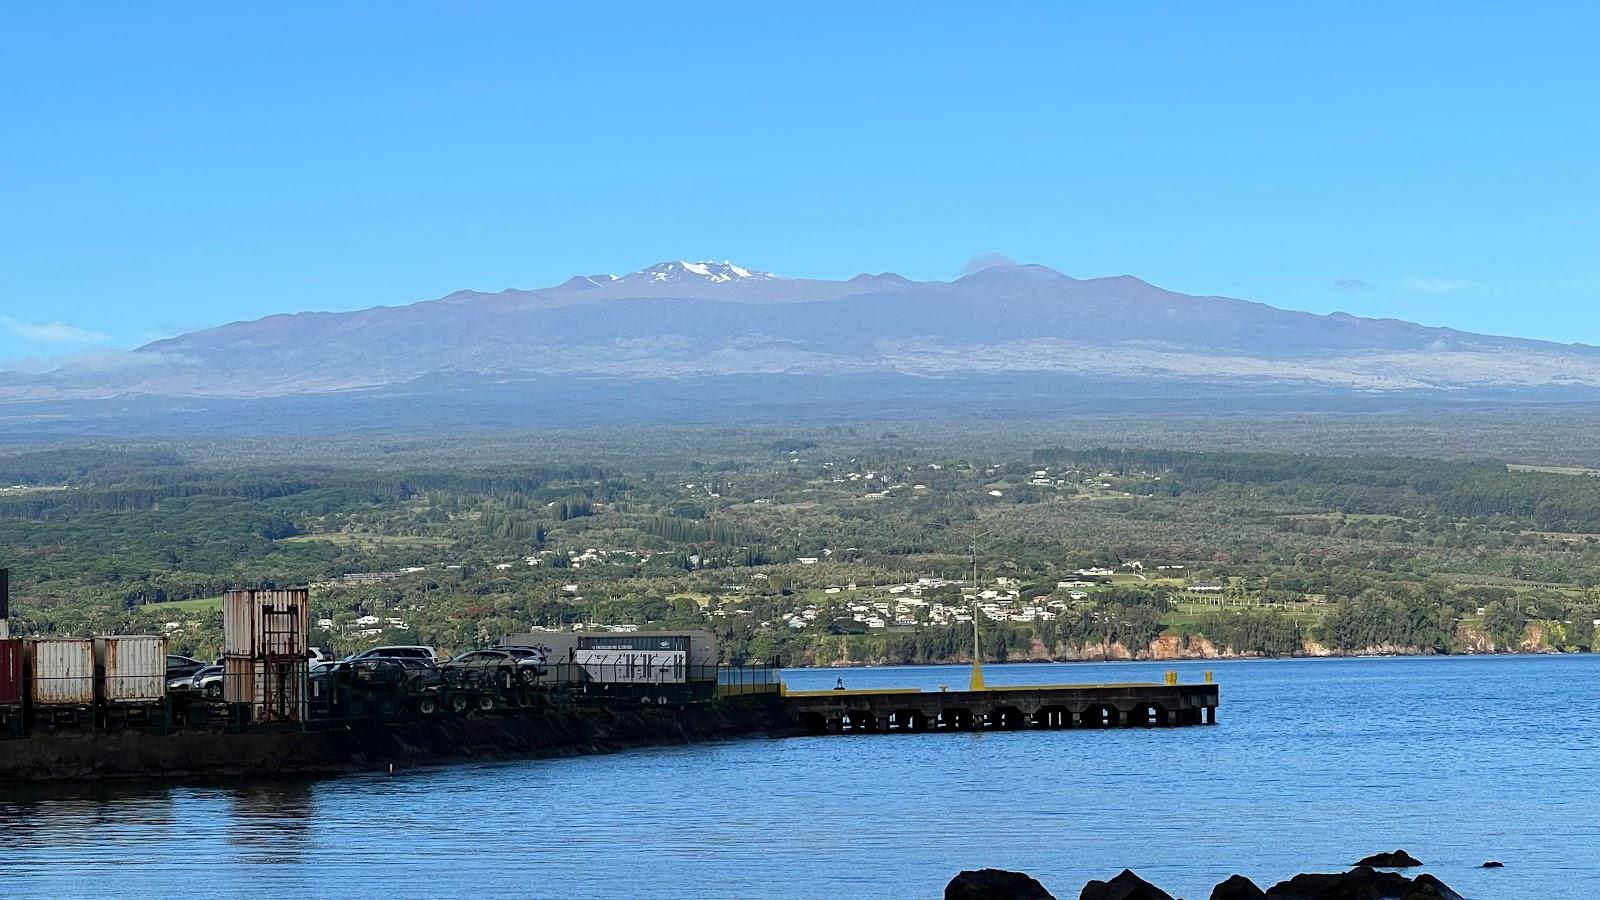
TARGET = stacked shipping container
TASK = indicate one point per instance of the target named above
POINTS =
(266, 635)
(10, 673)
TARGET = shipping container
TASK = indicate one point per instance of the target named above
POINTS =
(266, 623)
(11, 673)
(703, 655)
(551, 647)
(635, 659)
(274, 688)
(576, 656)
(133, 668)
(63, 671)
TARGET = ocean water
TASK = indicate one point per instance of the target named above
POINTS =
(1313, 764)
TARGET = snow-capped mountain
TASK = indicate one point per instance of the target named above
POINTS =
(710, 320)
(683, 272)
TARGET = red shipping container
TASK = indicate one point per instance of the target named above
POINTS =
(11, 673)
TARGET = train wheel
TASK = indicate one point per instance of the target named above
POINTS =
(458, 702)
(387, 708)
(486, 703)
(427, 706)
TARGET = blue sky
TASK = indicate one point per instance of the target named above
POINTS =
(165, 167)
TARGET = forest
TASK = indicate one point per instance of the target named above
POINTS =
(837, 544)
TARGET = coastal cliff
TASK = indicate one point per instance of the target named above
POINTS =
(1470, 640)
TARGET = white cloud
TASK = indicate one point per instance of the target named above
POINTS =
(1441, 285)
(98, 362)
(986, 260)
(56, 332)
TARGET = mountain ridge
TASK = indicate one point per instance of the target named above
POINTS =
(686, 319)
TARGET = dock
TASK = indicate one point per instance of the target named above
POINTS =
(1009, 708)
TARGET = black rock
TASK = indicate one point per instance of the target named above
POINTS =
(1396, 860)
(1360, 883)
(995, 884)
(1493, 864)
(1427, 887)
(1126, 886)
(1238, 887)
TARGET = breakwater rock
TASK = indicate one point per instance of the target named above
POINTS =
(1360, 883)
(374, 745)
(986, 884)
(1399, 859)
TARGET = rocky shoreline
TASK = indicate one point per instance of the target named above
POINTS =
(1377, 877)
(1159, 651)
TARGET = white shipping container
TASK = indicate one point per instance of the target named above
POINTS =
(634, 667)
(63, 671)
(133, 668)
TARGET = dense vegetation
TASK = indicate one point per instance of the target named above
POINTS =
(783, 544)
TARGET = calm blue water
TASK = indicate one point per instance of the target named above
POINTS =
(1314, 764)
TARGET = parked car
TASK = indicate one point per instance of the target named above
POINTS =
(319, 655)
(377, 685)
(420, 674)
(408, 652)
(524, 664)
(182, 667)
(205, 681)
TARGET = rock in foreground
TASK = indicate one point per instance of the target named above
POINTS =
(1427, 887)
(1361, 883)
(1238, 887)
(1126, 886)
(995, 884)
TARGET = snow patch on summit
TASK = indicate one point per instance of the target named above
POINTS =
(707, 271)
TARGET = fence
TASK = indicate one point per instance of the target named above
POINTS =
(291, 696)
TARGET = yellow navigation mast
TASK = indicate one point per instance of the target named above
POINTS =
(976, 682)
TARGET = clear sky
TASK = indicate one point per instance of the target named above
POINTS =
(165, 167)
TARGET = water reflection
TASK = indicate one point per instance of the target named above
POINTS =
(70, 815)
(270, 823)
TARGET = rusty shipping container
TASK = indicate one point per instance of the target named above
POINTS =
(275, 689)
(133, 668)
(11, 673)
(63, 671)
(260, 624)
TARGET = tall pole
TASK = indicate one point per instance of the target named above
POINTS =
(977, 674)
(976, 683)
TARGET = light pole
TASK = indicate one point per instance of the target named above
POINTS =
(976, 684)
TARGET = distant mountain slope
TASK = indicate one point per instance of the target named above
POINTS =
(684, 319)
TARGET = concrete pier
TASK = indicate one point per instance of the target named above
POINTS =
(1003, 708)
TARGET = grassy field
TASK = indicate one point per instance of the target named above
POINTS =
(197, 605)
(1553, 470)
(367, 540)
